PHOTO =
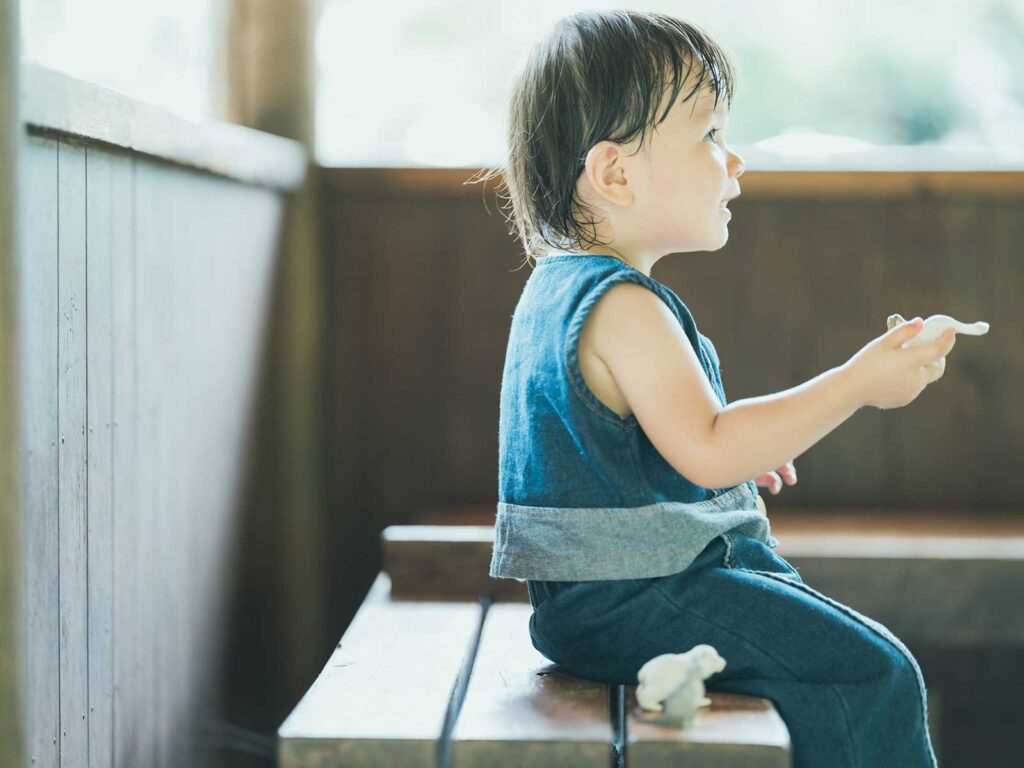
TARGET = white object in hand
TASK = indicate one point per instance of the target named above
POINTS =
(677, 679)
(935, 326)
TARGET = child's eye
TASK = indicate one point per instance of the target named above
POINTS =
(713, 130)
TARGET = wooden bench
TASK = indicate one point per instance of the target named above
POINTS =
(938, 579)
(424, 681)
(943, 580)
(430, 672)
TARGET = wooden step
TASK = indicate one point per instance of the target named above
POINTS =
(936, 580)
(383, 696)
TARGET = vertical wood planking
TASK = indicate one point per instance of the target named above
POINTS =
(188, 190)
(969, 254)
(229, 362)
(344, 273)
(100, 218)
(140, 338)
(854, 450)
(837, 265)
(179, 248)
(946, 405)
(12, 519)
(1003, 284)
(203, 263)
(467, 293)
(917, 281)
(148, 316)
(130, 698)
(38, 328)
(72, 477)
(160, 308)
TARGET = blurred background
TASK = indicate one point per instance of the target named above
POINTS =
(849, 74)
(262, 316)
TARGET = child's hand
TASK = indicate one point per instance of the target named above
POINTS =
(890, 373)
(772, 480)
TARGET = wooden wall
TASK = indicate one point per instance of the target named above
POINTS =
(12, 623)
(422, 279)
(142, 317)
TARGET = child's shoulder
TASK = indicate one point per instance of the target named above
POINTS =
(597, 327)
(622, 312)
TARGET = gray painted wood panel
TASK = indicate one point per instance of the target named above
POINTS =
(12, 520)
(100, 224)
(71, 452)
(178, 252)
(143, 320)
(130, 737)
(152, 296)
(38, 329)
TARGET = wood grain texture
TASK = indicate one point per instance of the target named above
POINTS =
(418, 317)
(734, 731)
(520, 709)
(132, 729)
(12, 509)
(936, 580)
(39, 413)
(140, 341)
(382, 696)
(99, 202)
(71, 452)
(151, 308)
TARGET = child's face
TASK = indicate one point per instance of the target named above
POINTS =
(669, 197)
(690, 172)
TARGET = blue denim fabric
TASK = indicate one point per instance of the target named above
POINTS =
(851, 694)
(583, 494)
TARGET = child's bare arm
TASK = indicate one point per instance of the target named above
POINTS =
(660, 376)
(757, 434)
(656, 368)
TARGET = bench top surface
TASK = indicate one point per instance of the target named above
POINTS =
(383, 695)
(390, 676)
(729, 719)
(517, 699)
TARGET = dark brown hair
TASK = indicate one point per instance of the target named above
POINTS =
(596, 76)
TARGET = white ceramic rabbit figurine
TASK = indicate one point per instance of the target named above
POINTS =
(677, 679)
(934, 327)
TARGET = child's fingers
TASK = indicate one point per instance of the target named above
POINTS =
(939, 348)
(938, 367)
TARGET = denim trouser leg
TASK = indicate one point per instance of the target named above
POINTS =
(850, 692)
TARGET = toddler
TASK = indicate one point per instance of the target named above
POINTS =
(627, 484)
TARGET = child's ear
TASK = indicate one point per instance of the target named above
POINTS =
(605, 172)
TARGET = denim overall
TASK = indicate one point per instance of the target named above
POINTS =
(625, 559)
